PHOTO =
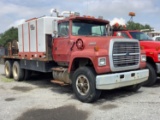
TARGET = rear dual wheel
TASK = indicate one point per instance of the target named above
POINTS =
(27, 74)
(18, 73)
(8, 69)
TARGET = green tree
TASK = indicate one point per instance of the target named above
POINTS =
(9, 35)
(137, 26)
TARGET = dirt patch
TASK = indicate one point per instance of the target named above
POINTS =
(108, 107)
(9, 99)
(22, 89)
(153, 93)
(61, 113)
(4, 79)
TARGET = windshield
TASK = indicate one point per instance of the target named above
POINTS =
(140, 36)
(88, 28)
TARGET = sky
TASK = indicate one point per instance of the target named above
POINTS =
(14, 12)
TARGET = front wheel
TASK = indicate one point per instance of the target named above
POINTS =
(84, 85)
(152, 76)
(27, 74)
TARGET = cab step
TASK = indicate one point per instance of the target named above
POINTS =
(59, 82)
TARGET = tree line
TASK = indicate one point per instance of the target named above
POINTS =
(137, 26)
(9, 35)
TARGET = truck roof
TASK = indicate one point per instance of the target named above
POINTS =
(128, 30)
(86, 18)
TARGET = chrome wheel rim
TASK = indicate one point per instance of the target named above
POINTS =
(7, 69)
(82, 85)
(15, 71)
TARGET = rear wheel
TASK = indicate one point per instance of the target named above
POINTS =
(8, 69)
(84, 85)
(18, 73)
(27, 74)
(152, 76)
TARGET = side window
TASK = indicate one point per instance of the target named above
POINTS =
(98, 30)
(75, 28)
(63, 29)
(158, 39)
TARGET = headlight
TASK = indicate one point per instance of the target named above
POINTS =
(101, 61)
(143, 58)
(159, 57)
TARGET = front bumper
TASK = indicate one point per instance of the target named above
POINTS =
(117, 80)
(158, 67)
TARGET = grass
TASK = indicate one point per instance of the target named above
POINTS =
(4, 79)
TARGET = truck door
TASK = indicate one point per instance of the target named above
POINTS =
(61, 45)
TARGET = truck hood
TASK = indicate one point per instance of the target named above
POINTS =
(150, 44)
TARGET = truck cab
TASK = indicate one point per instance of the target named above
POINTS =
(151, 48)
(80, 37)
(94, 60)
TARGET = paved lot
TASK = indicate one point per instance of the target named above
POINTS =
(38, 99)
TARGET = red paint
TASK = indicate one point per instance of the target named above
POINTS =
(149, 46)
(31, 55)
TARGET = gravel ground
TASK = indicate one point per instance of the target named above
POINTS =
(39, 99)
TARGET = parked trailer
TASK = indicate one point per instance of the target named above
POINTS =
(77, 50)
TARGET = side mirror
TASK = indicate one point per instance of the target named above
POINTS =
(109, 30)
(55, 34)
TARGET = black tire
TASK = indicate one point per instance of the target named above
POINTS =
(27, 74)
(152, 76)
(133, 88)
(8, 69)
(18, 73)
(88, 75)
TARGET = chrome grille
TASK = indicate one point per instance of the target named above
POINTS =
(125, 54)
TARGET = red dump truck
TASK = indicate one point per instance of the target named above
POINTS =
(77, 50)
(152, 49)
